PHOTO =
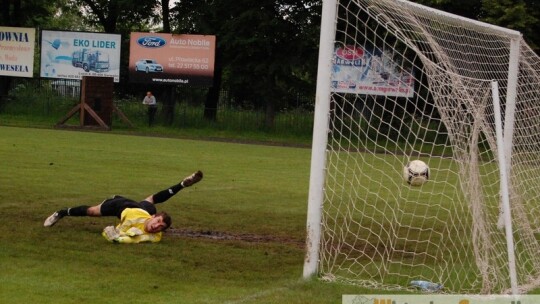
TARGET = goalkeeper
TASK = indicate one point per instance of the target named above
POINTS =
(140, 221)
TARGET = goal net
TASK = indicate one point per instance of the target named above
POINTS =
(406, 82)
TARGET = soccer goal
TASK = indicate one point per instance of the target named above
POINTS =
(399, 82)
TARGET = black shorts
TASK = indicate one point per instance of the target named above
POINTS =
(115, 205)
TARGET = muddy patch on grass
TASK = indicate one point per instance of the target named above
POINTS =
(227, 236)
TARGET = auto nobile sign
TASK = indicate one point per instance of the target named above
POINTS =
(172, 59)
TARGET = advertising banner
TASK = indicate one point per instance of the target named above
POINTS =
(440, 299)
(374, 72)
(172, 59)
(17, 51)
(72, 55)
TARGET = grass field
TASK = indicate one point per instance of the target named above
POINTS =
(237, 236)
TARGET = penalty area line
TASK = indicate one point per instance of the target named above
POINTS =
(265, 293)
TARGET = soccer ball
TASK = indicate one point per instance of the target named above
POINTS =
(416, 173)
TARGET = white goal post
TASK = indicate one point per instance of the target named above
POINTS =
(399, 81)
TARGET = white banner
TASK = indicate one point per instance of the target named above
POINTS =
(72, 55)
(17, 51)
(374, 72)
(440, 299)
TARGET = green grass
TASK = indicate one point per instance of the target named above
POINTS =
(255, 192)
(247, 189)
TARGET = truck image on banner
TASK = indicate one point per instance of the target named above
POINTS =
(72, 55)
(91, 60)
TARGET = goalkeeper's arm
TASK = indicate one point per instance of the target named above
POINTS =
(137, 239)
(133, 235)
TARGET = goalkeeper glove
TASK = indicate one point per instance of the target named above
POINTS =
(110, 233)
(133, 231)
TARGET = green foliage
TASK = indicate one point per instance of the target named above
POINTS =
(25, 102)
(35, 103)
(292, 127)
(117, 16)
(268, 47)
(465, 8)
(66, 17)
(520, 15)
(26, 13)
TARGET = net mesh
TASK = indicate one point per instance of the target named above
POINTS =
(379, 231)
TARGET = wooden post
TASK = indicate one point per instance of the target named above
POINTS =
(96, 105)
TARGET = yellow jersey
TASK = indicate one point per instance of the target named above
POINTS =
(131, 227)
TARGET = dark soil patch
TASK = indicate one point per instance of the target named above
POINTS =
(226, 236)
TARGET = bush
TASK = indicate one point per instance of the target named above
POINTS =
(43, 101)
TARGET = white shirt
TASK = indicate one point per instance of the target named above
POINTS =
(149, 100)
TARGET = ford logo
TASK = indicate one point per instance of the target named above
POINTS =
(350, 52)
(151, 42)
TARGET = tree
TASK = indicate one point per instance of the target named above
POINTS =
(520, 15)
(125, 16)
(191, 17)
(117, 16)
(267, 46)
(165, 13)
(465, 8)
(23, 13)
(26, 13)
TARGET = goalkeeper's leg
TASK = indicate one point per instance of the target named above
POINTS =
(114, 206)
(166, 194)
(109, 207)
(75, 211)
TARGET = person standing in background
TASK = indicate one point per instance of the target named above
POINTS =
(150, 101)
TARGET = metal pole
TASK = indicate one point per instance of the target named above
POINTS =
(505, 198)
(320, 137)
(511, 94)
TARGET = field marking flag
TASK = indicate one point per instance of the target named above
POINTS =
(172, 58)
(72, 55)
(17, 51)
(374, 72)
